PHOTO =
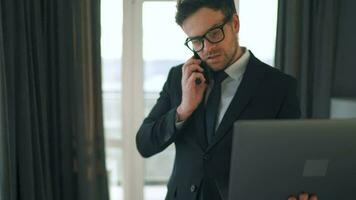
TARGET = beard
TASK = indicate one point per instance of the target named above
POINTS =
(225, 58)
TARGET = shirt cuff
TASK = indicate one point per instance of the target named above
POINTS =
(178, 124)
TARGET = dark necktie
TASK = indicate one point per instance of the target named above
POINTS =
(212, 105)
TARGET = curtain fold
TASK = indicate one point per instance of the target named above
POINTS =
(306, 49)
(5, 173)
(51, 90)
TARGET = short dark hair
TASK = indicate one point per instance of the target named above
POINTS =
(185, 8)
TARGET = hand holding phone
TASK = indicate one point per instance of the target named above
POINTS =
(194, 72)
(206, 70)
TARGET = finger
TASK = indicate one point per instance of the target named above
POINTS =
(189, 69)
(196, 75)
(313, 197)
(192, 66)
(292, 197)
(303, 196)
(193, 60)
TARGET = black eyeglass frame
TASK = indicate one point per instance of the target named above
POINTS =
(201, 38)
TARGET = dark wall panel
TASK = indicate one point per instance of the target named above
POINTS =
(345, 72)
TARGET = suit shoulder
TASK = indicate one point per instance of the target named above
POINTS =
(176, 69)
(174, 77)
(276, 74)
(175, 72)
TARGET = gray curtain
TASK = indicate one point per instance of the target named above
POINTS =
(52, 144)
(4, 171)
(306, 49)
(344, 74)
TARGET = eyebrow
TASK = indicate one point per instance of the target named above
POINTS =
(209, 29)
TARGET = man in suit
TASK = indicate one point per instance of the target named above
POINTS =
(196, 112)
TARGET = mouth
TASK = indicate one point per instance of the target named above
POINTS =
(213, 58)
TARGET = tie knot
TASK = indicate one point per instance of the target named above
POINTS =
(219, 76)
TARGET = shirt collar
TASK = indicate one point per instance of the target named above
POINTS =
(236, 69)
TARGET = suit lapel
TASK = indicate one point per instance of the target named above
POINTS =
(248, 85)
(200, 126)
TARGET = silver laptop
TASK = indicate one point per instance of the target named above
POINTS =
(273, 159)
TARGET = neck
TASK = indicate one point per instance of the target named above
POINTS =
(238, 53)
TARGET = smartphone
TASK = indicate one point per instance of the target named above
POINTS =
(206, 70)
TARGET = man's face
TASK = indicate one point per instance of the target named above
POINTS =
(218, 55)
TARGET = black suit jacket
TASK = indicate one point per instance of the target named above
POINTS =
(264, 93)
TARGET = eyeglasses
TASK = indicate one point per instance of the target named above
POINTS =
(214, 35)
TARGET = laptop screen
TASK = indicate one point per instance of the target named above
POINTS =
(273, 159)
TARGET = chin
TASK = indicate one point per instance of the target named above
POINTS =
(216, 67)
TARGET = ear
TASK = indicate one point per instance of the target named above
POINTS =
(236, 23)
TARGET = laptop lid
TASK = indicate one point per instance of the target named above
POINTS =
(273, 159)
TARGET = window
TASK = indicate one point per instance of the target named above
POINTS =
(111, 52)
(140, 43)
(258, 25)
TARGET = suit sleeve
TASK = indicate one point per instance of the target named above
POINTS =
(158, 130)
(290, 108)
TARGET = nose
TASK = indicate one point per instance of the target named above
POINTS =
(208, 46)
